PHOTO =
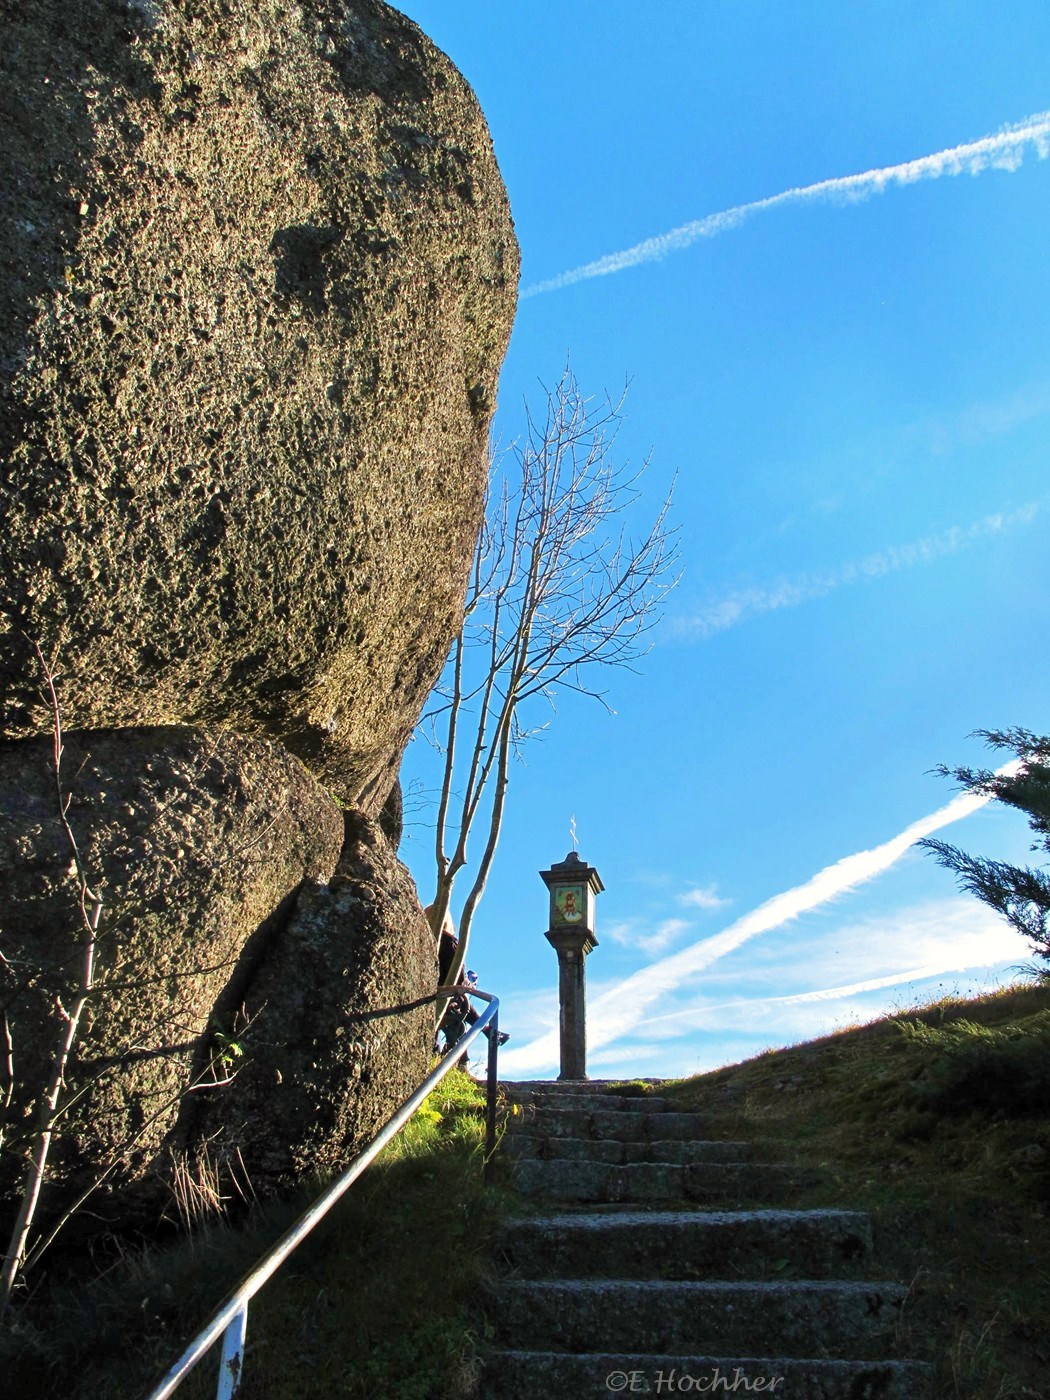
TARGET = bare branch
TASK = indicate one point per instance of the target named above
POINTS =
(90, 912)
(558, 587)
(9, 1066)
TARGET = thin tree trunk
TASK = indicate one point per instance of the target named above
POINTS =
(48, 1112)
(34, 1178)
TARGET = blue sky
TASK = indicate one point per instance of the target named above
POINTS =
(854, 393)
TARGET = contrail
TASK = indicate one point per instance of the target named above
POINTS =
(1005, 150)
(804, 588)
(621, 1008)
(692, 1017)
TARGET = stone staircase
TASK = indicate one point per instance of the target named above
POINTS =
(661, 1263)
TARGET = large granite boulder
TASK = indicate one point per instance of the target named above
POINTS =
(335, 1048)
(257, 275)
(199, 847)
(255, 947)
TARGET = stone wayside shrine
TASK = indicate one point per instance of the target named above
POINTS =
(572, 884)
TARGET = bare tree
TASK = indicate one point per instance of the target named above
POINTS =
(67, 1019)
(68, 979)
(558, 588)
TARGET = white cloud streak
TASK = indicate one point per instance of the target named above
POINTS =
(703, 897)
(987, 944)
(1004, 150)
(737, 607)
(615, 1013)
(632, 933)
(666, 933)
(981, 422)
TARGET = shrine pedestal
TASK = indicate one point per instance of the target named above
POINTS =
(572, 947)
(573, 885)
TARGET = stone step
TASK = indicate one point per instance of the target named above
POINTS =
(624, 1125)
(713, 1182)
(590, 1103)
(685, 1245)
(524, 1375)
(749, 1183)
(793, 1318)
(554, 1087)
(523, 1145)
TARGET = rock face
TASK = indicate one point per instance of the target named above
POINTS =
(251, 932)
(200, 847)
(333, 1053)
(257, 275)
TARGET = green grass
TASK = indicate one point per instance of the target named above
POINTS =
(937, 1121)
(379, 1302)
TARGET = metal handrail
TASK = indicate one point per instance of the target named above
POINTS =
(230, 1319)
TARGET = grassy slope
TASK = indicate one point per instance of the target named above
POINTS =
(377, 1303)
(945, 1139)
(942, 1131)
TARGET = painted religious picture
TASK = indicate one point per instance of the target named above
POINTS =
(568, 904)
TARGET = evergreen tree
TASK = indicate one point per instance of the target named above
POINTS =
(1019, 893)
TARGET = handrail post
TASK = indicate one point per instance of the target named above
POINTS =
(490, 1100)
(231, 1367)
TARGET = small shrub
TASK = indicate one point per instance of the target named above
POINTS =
(996, 1070)
(631, 1088)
